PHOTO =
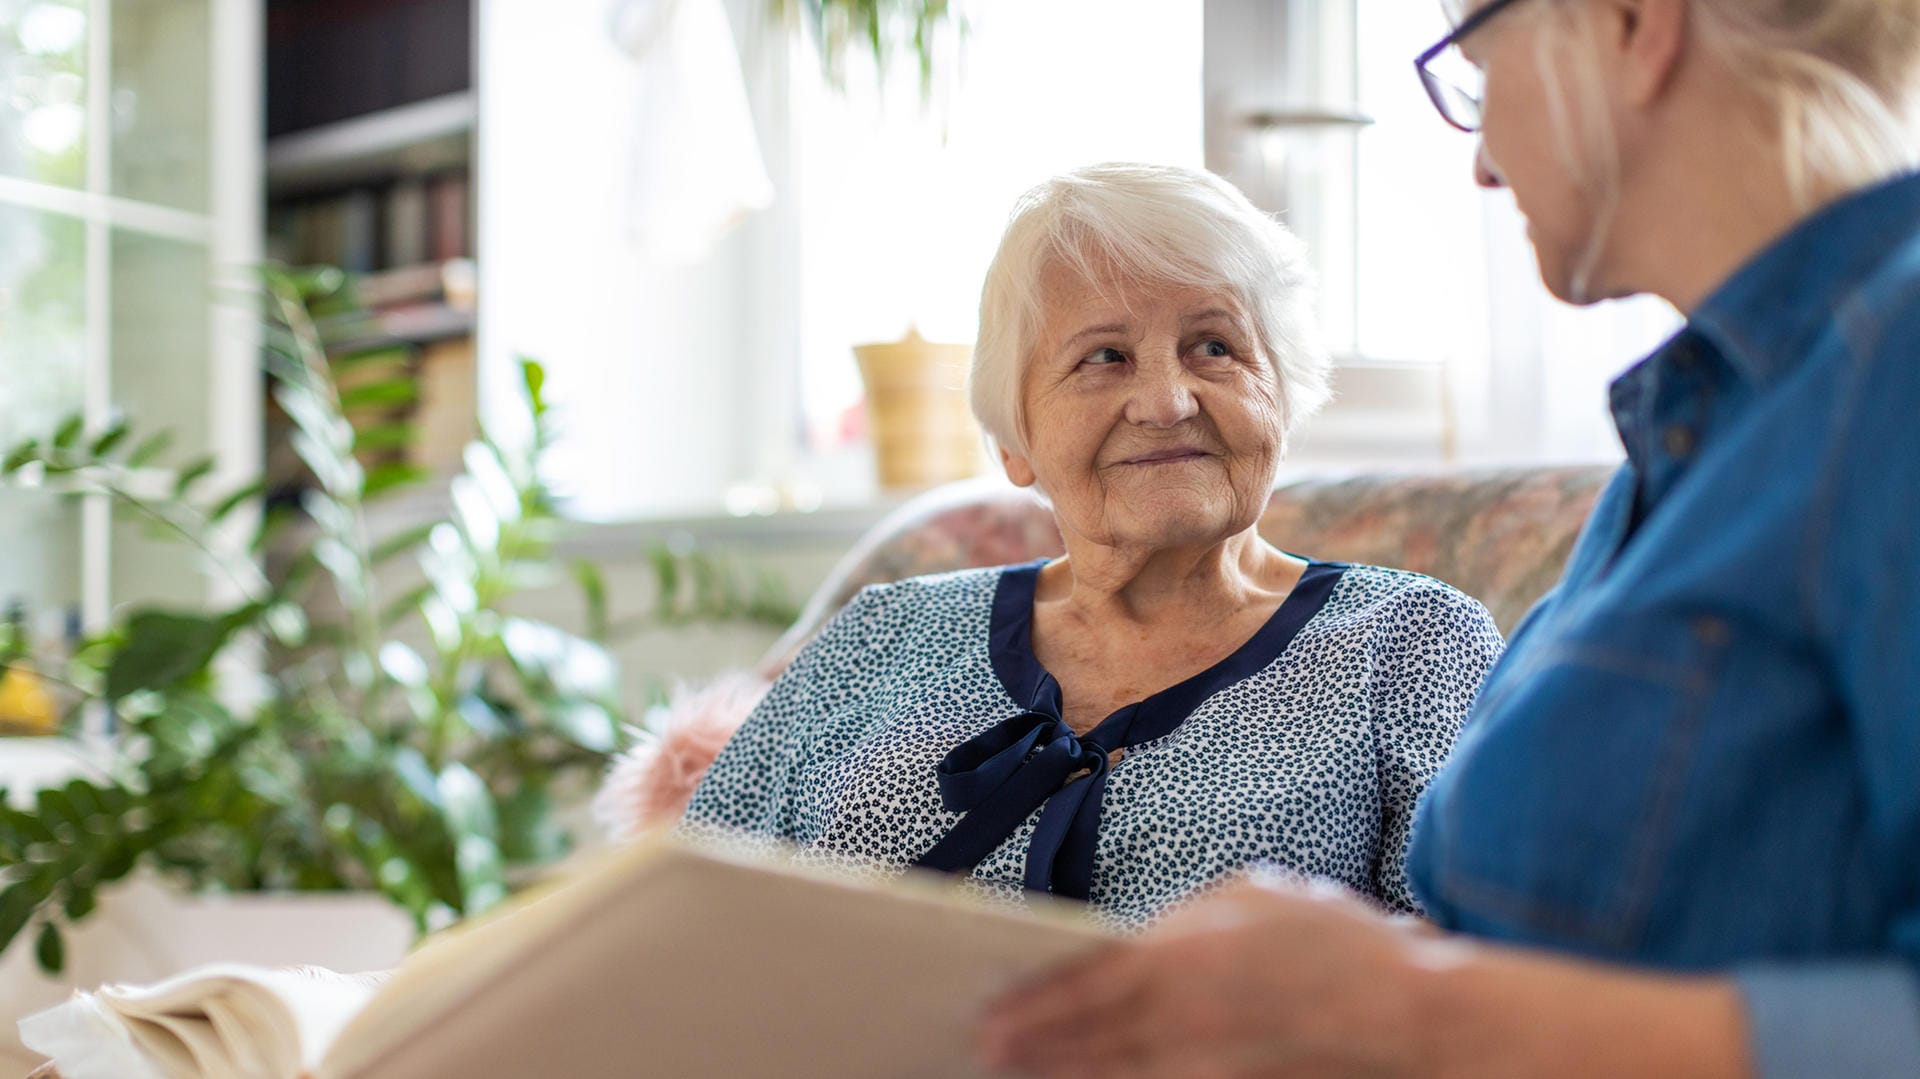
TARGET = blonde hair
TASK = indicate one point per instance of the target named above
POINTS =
(1841, 79)
(1159, 224)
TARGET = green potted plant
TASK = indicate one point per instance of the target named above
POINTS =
(344, 758)
(882, 26)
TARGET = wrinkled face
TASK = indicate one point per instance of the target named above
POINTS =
(1153, 418)
(1521, 147)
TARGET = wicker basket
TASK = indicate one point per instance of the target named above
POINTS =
(923, 431)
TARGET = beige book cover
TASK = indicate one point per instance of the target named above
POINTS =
(661, 959)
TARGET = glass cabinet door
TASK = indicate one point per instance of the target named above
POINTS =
(42, 379)
(161, 105)
(129, 181)
(43, 91)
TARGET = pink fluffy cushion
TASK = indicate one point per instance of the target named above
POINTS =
(651, 783)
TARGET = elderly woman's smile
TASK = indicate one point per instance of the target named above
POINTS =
(1171, 456)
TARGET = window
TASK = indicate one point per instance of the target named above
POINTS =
(128, 177)
(1449, 346)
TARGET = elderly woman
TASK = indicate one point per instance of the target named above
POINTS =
(1682, 836)
(1175, 698)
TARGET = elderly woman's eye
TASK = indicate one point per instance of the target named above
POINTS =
(1103, 356)
(1216, 349)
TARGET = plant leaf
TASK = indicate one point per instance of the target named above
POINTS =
(486, 469)
(149, 448)
(387, 393)
(572, 666)
(233, 501)
(49, 951)
(56, 808)
(67, 435)
(411, 768)
(383, 436)
(534, 378)
(467, 806)
(342, 362)
(666, 573)
(384, 478)
(400, 542)
(403, 664)
(162, 648)
(528, 830)
(593, 590)
(586, 724)
(16, 907)
(287, 622)
(31, 827)
(399, 608)
(475, 516)
(110, 438)
(480, 717)
(192, 474)
(20, 456)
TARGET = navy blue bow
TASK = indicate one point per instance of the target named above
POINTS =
(1000, 776)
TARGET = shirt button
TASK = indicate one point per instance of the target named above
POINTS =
(1677, 440)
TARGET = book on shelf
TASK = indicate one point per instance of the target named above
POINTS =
(660, 959)
(359, 231)
(417, 283)
(405, 219)
(449, 215)
(402, 221)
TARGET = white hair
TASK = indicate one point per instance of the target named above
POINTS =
(1840, 78)
(1156, 224)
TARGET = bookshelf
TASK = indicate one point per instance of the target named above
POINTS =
(372, 112)
(418, 137)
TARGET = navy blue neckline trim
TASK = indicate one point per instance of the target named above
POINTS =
(1010, 643)
(1033, 761)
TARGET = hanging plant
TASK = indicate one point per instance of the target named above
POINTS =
(883, 27)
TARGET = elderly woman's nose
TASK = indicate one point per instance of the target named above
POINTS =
(1485, 172)
(1161, 396)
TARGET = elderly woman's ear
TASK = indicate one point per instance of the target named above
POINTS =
(1019, 470)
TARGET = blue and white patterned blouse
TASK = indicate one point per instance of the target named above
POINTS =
(918, 728)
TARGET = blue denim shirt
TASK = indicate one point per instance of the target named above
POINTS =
(1702, 748)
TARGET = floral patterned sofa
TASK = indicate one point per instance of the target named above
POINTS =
(1500, 535)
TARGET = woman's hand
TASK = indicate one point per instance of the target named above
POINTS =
(1271, 980)
(1261, 979)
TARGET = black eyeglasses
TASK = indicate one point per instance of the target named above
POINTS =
(1455, 90)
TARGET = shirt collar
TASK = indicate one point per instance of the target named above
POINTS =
(1768, 315)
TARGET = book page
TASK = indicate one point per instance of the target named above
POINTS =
(211, 1022)
(671, 961)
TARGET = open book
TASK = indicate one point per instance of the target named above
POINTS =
(662, 959)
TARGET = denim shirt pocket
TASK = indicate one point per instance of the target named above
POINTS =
(1561, 820)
